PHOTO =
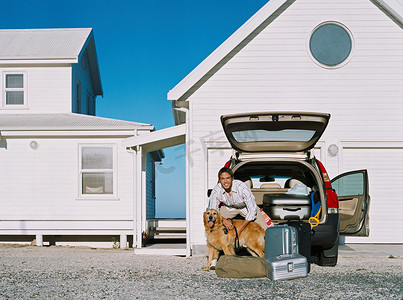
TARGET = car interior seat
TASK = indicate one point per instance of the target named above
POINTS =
(249, 182)
(290, 183)
(270, 185)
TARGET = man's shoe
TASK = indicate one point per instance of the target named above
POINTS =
(213, 263)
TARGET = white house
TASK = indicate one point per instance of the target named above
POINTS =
(278, 61)
(64, 174)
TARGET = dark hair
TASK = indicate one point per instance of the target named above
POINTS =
(225, 170)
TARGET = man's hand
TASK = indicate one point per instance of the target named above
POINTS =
(227, 224)
(242, 227)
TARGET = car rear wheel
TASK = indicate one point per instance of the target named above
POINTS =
(328, 257)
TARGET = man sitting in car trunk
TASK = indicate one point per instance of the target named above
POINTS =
(232, 197)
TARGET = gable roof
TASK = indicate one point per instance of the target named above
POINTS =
(59, 45)
(393, 8)
(32, 122)
(42, 43)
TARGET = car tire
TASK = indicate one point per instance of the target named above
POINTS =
(328, 257)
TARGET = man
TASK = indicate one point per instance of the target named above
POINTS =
(235, 198)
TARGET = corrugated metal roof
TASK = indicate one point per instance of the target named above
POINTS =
(42, 43)
(65, 122)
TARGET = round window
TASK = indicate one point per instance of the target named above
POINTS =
(331, 44)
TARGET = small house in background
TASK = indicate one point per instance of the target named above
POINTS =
(64, 174)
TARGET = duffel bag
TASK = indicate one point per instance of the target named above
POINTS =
(233, 266)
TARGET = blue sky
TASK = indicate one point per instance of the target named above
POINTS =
(144, 49)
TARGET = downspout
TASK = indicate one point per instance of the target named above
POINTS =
(134, 198)
(139, 196)
(135, 151)
(187, 176)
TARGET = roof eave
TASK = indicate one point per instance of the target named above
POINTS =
(81, 128)
(38, 60)
(392, 8)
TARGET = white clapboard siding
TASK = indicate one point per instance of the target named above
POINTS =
(43, 184)
(217, 156)
(274, 72)
(48, 88)
(384, 165)
(66, 227)
(81, 72)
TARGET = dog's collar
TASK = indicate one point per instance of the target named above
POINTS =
(224, 229)
(218, 228)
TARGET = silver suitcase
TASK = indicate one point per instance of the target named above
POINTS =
(286, 266)
(287, 206)
(280, 240)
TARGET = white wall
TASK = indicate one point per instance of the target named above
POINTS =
(384, 164)
(81, 72)
(40, 188)
(48, 88)
(274, 72)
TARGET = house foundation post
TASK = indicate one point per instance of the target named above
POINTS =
(123, 241)
(39, 240)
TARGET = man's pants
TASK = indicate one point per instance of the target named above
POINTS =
(233, 212)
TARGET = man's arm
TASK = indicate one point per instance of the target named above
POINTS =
(242, 227)
(214, 202)
(251, 207)
(250, 203)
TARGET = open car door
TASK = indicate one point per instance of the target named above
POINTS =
(353, 192)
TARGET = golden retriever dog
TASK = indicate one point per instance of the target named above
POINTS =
(218, 238)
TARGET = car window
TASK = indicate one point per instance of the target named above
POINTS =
(349, 185)
(286, 135)
(259, 180)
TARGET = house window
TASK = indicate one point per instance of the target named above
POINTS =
(14, 89)
(331, 45)
(97, 174)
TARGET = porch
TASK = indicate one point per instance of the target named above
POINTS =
(156, 236)
(164, 237)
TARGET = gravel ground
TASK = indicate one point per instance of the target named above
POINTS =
(56, 272)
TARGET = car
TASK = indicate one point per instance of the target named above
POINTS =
(273, 153)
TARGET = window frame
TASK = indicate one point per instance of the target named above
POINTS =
(4, 89)
(114, 194)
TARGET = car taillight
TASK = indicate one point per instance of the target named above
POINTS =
(227, 164)
(332, 199)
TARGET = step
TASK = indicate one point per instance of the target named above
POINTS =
(169, 236)
(162, 249)
(168, 222)
(170, 229)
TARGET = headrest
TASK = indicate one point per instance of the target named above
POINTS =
(249, 183)
(294, 182)
(270, 185)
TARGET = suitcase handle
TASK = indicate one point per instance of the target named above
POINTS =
(292, 209)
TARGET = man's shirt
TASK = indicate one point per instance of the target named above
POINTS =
(241, 198)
